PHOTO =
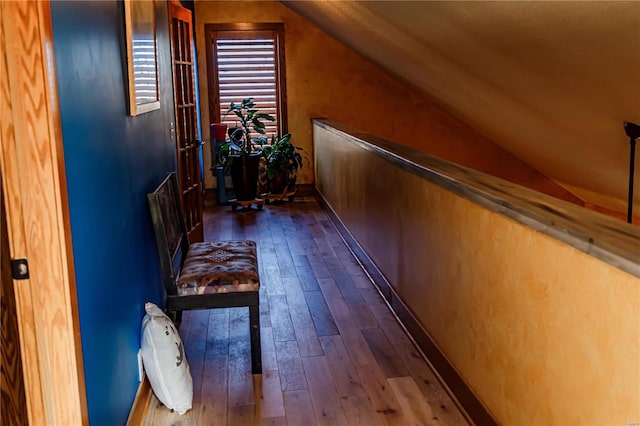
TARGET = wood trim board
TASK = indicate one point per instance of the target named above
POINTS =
(141, 404)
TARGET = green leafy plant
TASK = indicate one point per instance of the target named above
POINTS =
(283, 160)
(250, 119)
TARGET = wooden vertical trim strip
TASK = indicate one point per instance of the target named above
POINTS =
(17, 244)
(32, 164)
(141, 403)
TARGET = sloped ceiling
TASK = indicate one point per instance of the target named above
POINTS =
(551, 82)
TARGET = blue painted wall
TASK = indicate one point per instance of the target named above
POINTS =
(112, 161)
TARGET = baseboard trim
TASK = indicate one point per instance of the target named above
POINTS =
(141, 403)
(306, 190)
(467, 401)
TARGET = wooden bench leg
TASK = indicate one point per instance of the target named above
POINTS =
(256, 352)
(176, 317)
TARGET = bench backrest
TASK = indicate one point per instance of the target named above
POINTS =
(170, 229)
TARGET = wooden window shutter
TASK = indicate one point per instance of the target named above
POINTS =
(247, 63)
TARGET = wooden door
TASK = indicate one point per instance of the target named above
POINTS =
(13, 402)
(37, 214)
(187, 143)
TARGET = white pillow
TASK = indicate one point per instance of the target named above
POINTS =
(165, 361)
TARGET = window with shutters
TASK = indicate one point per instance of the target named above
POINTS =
(247, 61)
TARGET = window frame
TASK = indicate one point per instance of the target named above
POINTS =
(277, 28)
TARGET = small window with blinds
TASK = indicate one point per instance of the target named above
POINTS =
(247, 61)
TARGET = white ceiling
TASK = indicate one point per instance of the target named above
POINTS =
(551, 82)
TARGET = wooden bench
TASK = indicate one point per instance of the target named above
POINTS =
(205, 275)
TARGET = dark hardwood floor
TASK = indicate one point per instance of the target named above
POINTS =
(332, 351)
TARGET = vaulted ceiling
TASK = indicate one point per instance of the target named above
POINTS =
(549, 81)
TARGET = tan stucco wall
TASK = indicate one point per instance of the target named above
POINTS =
(327, 79)
(543, 333)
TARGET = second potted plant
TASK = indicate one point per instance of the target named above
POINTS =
(282, 161)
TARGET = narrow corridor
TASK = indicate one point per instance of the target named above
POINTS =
(333, 353)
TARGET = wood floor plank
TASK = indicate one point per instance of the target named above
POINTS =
(320, 314)
(384, 353)
(299, 408)
(341, 368)
(373, 298)
(331, 261)
(353, 339)
(326, 403)
(162, 416)
(280, 319)
(274, 421)
(307, 242)
(320, 270)
(294, 293)
(360, 279)
(194, 353)
(358, 411)
(269, 359)
(432, 391)
(198, 325)
(157, 415)
(307, 278)
(306, 337)
(315, 230)
(292, 375)
(212, 405)
(285, 262)
(344, 282)
(272, 282)
(242, 415)
(383, 400)
(218, 332)
(240, 386)
(414, 408)
(351, 265)
(298, 256)
(272, 401)
(313, 254)
(296, 249)
(265, 314)
(238, 324)
(363, 315)
(329, 288)
(394, 331)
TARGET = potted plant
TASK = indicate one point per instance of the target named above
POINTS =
(282, 161)
(219, 130)
(238, 154)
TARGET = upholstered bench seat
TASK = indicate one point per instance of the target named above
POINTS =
(221, 274)
(219, 267)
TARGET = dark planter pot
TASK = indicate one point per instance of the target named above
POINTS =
(244, 175)
(279, 183)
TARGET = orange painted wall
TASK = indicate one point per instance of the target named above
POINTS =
(327, 79)
(544, 334)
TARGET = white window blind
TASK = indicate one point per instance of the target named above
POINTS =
(247, 69)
